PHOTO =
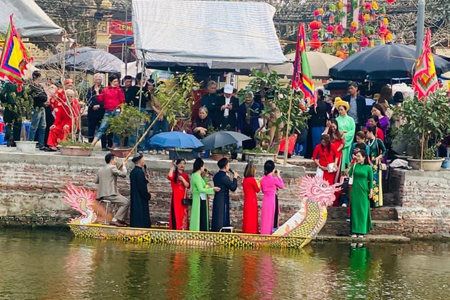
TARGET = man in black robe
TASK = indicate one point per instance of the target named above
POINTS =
(140, 214)
(221, 203)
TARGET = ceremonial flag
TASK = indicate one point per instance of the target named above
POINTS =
(14, 57)
(302, 79)
(425, 78)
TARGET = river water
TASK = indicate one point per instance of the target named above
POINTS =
(36, 264)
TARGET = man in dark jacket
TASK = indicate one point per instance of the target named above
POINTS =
(38, 117)
(95, 109)
(357, 106)
(12, 120)
(248, 124)
(229, 106)
(139, 212)
(210, 101)
(221, 203)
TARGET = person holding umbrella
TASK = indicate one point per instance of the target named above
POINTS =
(221, 203)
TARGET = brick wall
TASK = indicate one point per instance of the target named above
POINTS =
(31, 187)
(424, 202)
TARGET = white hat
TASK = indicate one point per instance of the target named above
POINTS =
(228, 89)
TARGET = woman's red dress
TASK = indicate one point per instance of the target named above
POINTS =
(178, 211)
(326, 157)
(63, 121)
(250, 221)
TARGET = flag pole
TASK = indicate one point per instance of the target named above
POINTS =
(286, 144)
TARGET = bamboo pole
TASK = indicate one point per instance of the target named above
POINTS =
(286, 144)
(421, 150)
(147, 131)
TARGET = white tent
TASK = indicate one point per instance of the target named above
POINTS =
(29, 18)
(216, 34)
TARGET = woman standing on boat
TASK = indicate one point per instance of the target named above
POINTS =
(270, 209)
(362, 191)
(251, 188)
(179, 182)
(199, 220)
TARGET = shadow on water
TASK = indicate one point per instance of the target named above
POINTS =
(53, 265)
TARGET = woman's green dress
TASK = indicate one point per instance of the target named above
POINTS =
(377, 148)
(359, 198)
(200, 208)
(346, 124)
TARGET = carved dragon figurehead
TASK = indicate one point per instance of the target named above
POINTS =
(83, 201)
(318, 189)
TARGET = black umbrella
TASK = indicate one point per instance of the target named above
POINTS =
(223, 138)
(383, 63)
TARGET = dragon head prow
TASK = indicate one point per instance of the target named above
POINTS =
(319, 190)
(83, 201)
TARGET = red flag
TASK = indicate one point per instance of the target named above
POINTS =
(425, 78)
(14, 57)
(302, 79)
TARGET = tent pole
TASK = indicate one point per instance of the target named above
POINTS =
(286, 144)
(126, 39)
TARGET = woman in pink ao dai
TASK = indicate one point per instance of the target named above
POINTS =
(270, 183)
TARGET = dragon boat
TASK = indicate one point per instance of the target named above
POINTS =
(316, 194)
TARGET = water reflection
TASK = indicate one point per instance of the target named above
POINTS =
(54, 266)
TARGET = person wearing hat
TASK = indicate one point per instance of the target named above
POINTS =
(229, 106)
(347, 127)
(107, 188)
(247, 121)
(139, 195)
(357, 105)
(221, 203)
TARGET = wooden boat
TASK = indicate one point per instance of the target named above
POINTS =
(297, 232)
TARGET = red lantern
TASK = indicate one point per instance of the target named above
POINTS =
(330, 28)
(364, 42)
(382, 32)
(315, 44)
(390, 1)
(315, 25)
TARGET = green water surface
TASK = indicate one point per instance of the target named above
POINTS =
(36, 264)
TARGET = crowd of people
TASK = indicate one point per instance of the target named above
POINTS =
(189, 205)
(349, 145)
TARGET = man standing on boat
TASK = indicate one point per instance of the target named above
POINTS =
(107, 189)
(221, 203)
(139, 195)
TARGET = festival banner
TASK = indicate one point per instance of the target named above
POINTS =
(425, 78)
(302, 79)
(117, 27)
(15, 57)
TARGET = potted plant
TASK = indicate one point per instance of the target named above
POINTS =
(72, 147)
(219, 153)
(20, 104)
(125, 125)
(277, 97)
(426, 122)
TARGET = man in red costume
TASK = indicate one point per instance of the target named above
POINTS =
(66, 116)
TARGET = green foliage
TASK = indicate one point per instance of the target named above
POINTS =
(71, 143)
(278, 94)
(178, 92)
(19, 103)
(126, 124)
(430, 119)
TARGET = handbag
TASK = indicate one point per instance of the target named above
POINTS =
(319, 172)
(383, 166)
(186, 200)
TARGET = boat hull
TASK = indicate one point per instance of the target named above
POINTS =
(187, 238)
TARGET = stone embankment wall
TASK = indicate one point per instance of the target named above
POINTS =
(31, 188)
(423, 202)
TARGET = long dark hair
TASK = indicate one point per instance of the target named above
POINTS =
(380, 108)
(327, 139)
(364, 154)
(198, 164)
(385, 95)
(375, 118)
(175, 169)
(336, 133)
(269, 166)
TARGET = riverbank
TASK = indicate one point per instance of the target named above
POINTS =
(417, 204)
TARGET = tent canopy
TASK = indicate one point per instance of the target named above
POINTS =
(29, 18)
(216, 34)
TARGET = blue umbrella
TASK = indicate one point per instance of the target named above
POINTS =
(175, 139)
